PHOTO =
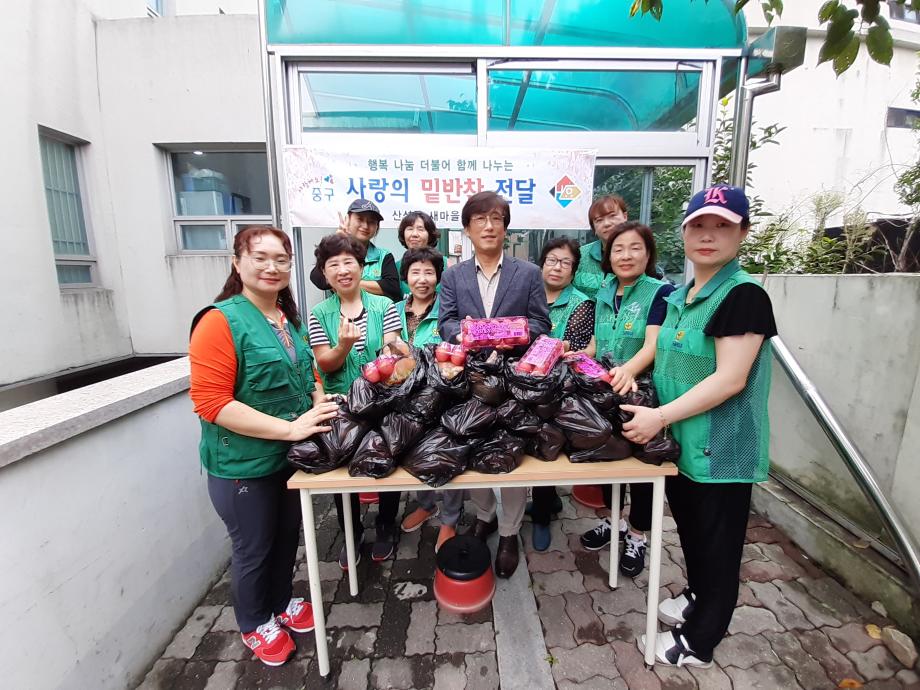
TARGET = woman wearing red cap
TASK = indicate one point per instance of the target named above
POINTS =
(712, 372)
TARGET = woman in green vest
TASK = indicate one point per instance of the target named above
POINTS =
(712, 373)
(416, 230)
(379, 276)
(253, 388)
(605, 214)
(421, 270)
(630, 309)
(571, 314)
(346, 332)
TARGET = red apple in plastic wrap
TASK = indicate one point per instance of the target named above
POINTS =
(385, 366)
(442, 354)
(371, 372)
(524, 367)
(458, 358)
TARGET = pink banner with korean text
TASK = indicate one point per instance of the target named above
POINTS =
(546, 188)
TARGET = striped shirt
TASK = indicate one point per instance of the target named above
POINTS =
(391, 323)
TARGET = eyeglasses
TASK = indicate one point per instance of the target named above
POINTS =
(481, 221)
(552, 262)
(260, 263)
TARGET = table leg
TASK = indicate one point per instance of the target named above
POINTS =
(316, 589)
(614, 535)
(350, 545)
(654, 571)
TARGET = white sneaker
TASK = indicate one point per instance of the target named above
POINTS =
(671, 649)
(675, 611)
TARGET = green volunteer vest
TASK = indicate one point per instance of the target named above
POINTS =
(427, 331)
(622, 333)
(562, 309)
(328, 313)
(373, 262)
(589, 278)
(267, 381)
(731, 442)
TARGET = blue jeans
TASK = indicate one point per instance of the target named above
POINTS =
(451, 504)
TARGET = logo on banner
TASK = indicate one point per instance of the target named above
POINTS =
(565, 191)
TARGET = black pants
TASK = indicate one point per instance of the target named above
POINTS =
(541, 511)
(263, 520)
(712, 523)
(640, 504)
(386, 511)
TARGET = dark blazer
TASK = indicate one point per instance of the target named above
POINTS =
(520, 293)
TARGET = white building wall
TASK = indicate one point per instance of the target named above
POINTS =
(171, 81)
(836, 136)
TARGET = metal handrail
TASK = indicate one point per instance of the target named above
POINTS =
(854, 460)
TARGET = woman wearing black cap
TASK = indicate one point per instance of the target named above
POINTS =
(379, 276)
(712, 373)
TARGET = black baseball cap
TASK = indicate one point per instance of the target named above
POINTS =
(365, 206)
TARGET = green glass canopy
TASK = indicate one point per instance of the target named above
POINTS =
(684, 24)
(599, 99)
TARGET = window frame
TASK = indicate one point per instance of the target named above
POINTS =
(230, 222)
(90, 260)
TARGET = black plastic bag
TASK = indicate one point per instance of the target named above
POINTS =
(548, 411)
(426, 405)
(518, 419)
(662, 448)
(366, 399)
(469, 419)
(498, 454)
(584, 426)
(531, 389)
(398, 396)
(437, 458)
(548, 443)
(484, 370)
(615, 448)
(457, 388)
(401, 432)
(309, 456)
(644, 396)
(372, 458)
(343, 439)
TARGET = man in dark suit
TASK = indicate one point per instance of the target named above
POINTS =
(488, 285)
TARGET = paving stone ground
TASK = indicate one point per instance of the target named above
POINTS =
(794, 627)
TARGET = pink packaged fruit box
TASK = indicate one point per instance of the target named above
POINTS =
(583, 364)
(541, 357)
(502, 331)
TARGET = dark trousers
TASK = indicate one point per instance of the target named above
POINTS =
(640, 504)
(263, 520)
(541, 511)
(712, 523)
(386, 511)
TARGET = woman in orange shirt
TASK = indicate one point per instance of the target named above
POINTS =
(253, 387)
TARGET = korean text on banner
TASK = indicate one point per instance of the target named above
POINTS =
(545, 188)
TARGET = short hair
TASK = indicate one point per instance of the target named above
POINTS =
(338, 243)
(413, 256)
(483, 202)
(561, 243)
(604, 205)
(410, 218)
(648, 237)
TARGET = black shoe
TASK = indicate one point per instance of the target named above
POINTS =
(597, 538)
(343, 554)
(384, 543)
(506, 556)
(632, 562)
(482, 529)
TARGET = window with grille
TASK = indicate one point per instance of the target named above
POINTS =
(72, 252)
(903, 12)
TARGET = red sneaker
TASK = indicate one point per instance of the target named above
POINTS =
(298, 616)
(270, 643)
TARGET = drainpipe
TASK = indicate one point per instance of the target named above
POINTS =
(853, 458)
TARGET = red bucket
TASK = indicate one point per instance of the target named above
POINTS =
(463, 581)
(589, 495)
(369, 498)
